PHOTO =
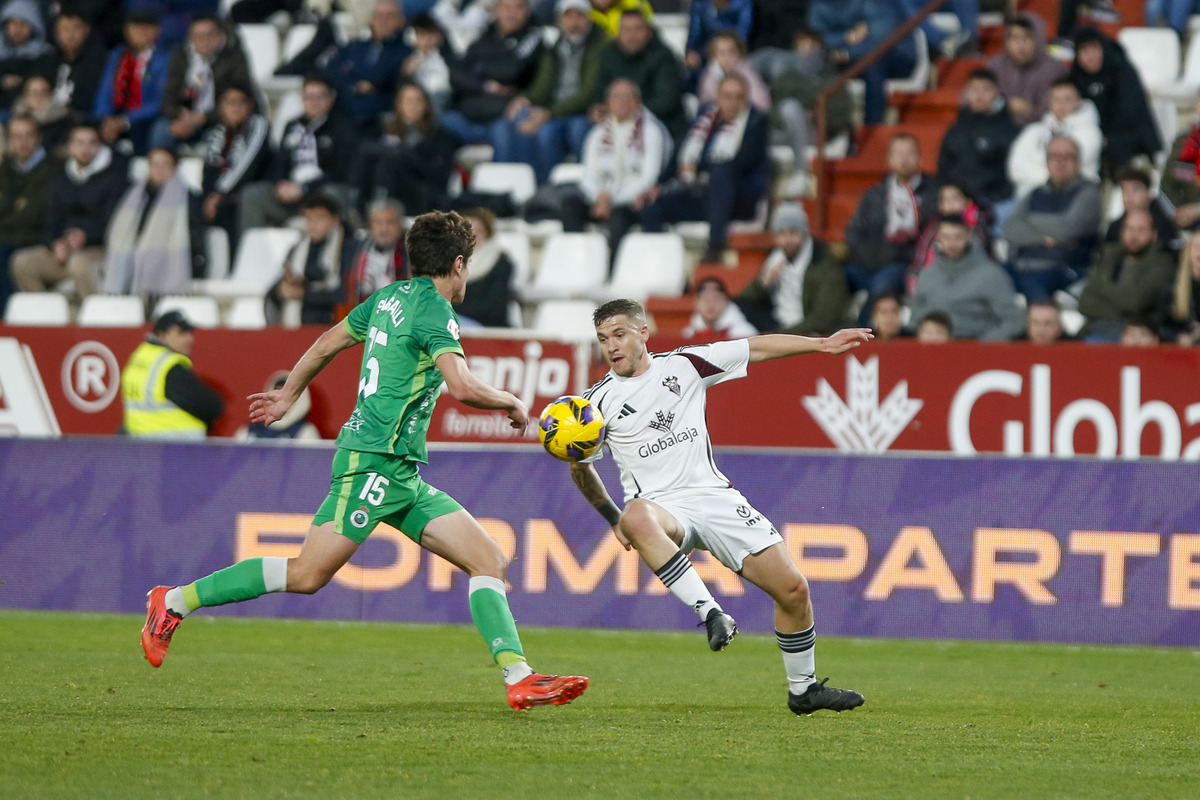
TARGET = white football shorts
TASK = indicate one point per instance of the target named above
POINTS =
(721, 521)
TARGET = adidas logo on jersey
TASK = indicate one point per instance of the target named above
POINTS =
(626, 410)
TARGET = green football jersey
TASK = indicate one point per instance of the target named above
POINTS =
(404, 327)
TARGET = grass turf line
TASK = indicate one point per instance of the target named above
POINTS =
(285, 708)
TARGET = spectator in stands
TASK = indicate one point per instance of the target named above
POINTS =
(490, 283)
(886, 321)
(26, 175)
(294, 424)
(853, 28)
(237, 152)
(1127, 282)
(1043, 323)
(882, 234)
(1173, 14)
(970, 288)
(722, 169)
(935, 328)
(776, 23)
(80, 205)
(1053, 228)
(706, 19)
(727, 56)
(1069, 115)
(162, 395)
(54, 119)
(975, 149)
(1179, 315)
(716, 317)
(1024, 70)
(315, 154)
(413, 160)
(200, 69)
(549, 119)
(78, 63)
(364, 73)
(497, 66)
(801, 288)
(429, 64)
(1100, 12)
(639, 55)
(155, 240)
(1139, 333)
(1104, 75)
(623, 157)
(1180, 185)
(608, 13)
(962, 43)
(297, 11)
(315, 269)
(175, 16)
(131, 88)
(464, 21)
(381, 258)
(1136, 195)
(24, 50)
(953, 200)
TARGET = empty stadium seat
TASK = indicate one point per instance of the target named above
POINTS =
(518, 181)
(647, 264)
(261, 43)
(569, 319)
(201, 311)
(216, 246)
(112, 311)
(247, 313)
(191, 169)
(287, 109)
(1154, 53)
(565, 173)
(673, 30)
(571, 265)
(37, 308)
(918, 80)
(516, 244)
(297, 38)
(1185, 89)
(258, 265)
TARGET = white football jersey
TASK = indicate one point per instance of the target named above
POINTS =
(655, 423)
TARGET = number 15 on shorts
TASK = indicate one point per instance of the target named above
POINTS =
(374, 488)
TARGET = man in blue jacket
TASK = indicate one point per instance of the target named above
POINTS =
(131, 90)
(364, 73)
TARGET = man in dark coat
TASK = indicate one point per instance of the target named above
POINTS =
(975, 149)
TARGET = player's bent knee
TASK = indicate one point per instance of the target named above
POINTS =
(638, 520)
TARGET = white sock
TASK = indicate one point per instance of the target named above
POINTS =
(175, 604)
(517, 673)
(799, 658)
(680, 577)
(275, 573)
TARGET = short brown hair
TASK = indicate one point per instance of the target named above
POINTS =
(616, 308)
(436, 239)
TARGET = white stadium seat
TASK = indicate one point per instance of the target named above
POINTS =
(191, 169)
(216, 245)
(200, 311)
(37, 308)
(647, 264)
(568, 319)
(1154, 53)
(287, 109)
(247, 313)
(259, 263)
(261, 43)
(571, 265)
(567, 172)
(518, 181)
(516, 244)
(112, 311)
(918, 80)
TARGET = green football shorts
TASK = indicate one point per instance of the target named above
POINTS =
(370, 488)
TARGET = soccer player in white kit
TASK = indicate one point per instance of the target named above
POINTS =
(675, 497)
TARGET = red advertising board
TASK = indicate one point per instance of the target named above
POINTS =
(959, 397)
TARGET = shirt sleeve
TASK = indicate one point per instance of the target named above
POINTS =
(357, 322)
(437, 331)
(718, 362)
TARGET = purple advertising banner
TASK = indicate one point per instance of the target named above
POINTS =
(981, 548)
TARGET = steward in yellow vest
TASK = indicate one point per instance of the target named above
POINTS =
(163, 397)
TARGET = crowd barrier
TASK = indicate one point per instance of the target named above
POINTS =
(919, 546)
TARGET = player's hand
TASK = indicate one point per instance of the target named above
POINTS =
(518, 416)
(616, 529)
(846, 339)
(267, 407)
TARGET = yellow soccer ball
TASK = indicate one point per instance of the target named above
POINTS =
(571, 428)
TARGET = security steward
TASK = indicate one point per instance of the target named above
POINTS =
(163, 397)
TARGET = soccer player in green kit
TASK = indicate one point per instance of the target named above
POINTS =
(410, 334)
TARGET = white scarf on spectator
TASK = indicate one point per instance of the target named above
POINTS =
(902, 214)
(100, 163)
(484, 259)
(199, 78)
(157, 261)
(726, 141)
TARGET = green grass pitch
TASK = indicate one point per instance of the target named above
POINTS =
(253, 709)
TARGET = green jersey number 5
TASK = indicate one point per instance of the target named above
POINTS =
(369, 383)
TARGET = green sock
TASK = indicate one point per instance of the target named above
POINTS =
(243, 581)
(494, 620)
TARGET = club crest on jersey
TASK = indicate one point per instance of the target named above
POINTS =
(452, 326)
(360, 518)
(672, 383)
(662, 422)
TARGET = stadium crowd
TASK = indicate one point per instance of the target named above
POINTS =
(139, 134)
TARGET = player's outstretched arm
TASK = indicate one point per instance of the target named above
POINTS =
(469, 390)
(588, 481)
(266, 407)
(781, 345)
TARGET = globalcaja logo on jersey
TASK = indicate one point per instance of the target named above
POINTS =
(672, 383)
(662, 422)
